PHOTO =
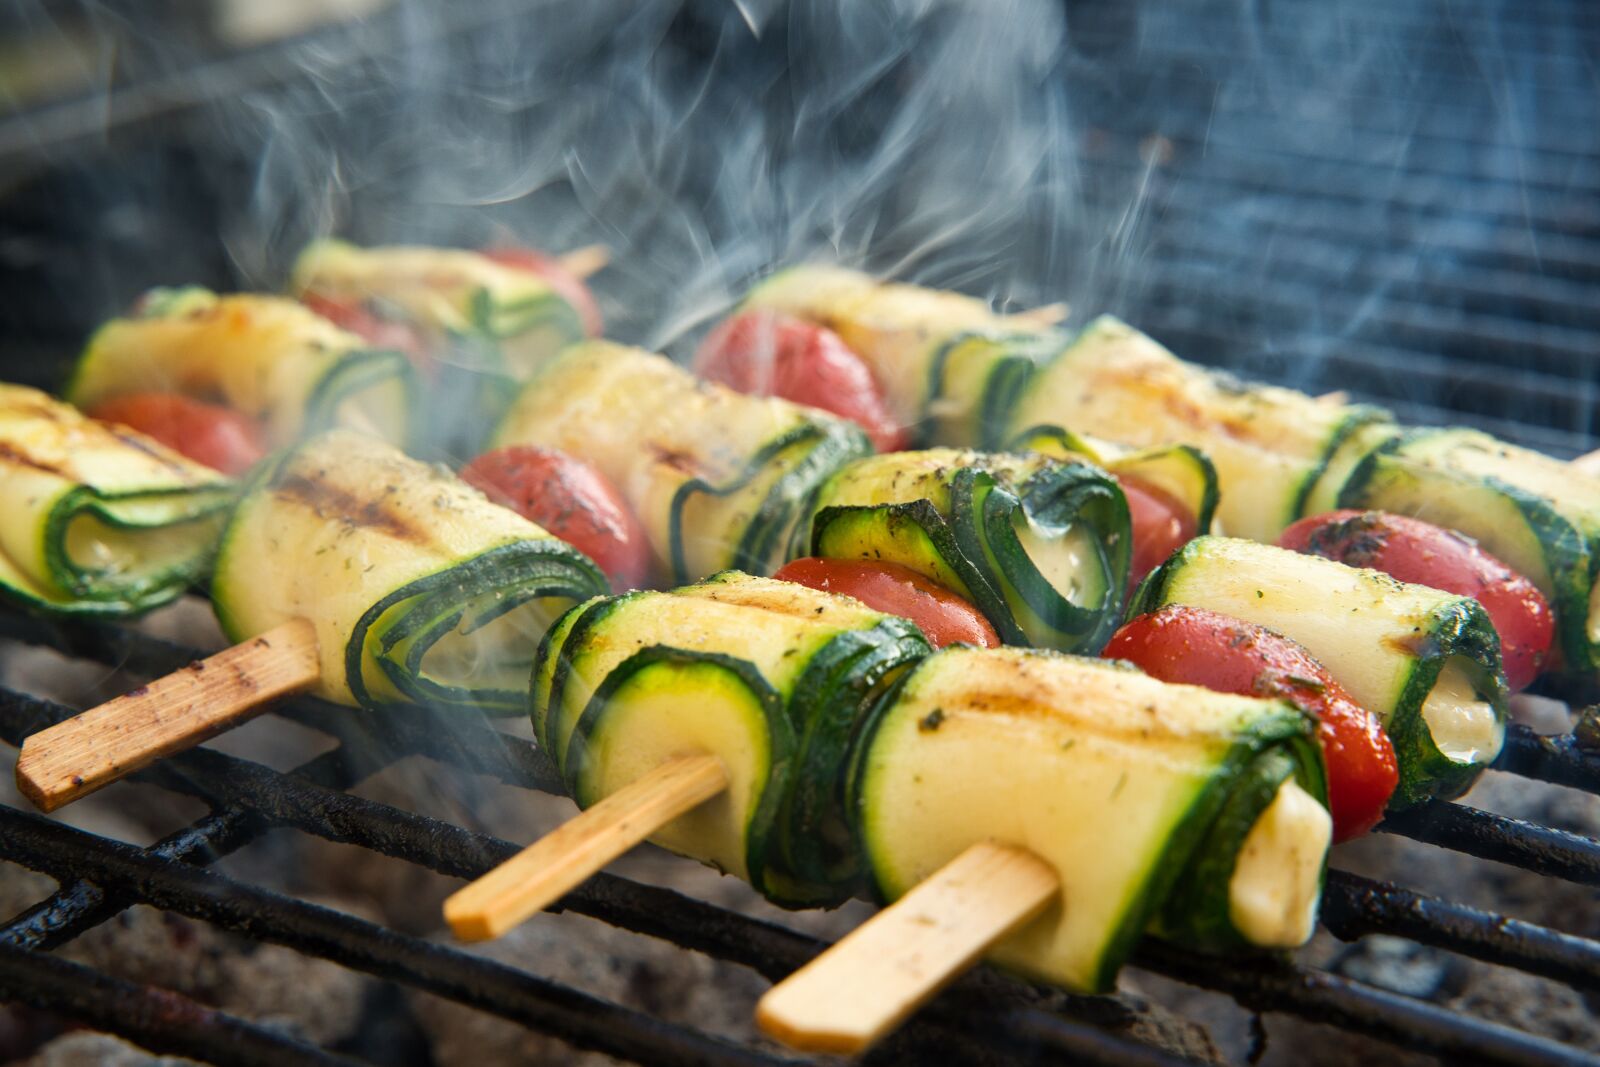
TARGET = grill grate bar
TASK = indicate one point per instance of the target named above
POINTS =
(1483, 834)
(458, 851)
(1353, 906)
(156, 1019)
(1270, 985)
(60, 850)
(315, 930)
(1555, 758)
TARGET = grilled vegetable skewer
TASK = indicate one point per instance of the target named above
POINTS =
(834, 726)
(267, 358)
(717, 478)
(99, 520)
(404, 585)
(1040, 547)
(1426, 662)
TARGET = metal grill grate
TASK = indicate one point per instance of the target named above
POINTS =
(981, 1015)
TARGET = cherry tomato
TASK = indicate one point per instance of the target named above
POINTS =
(764, 353)
(1199, 647)
(1161, 525)
(1415, 551)
(219, 437)
(943, 617)
(565, 284)
(572, 500)
(377, 331)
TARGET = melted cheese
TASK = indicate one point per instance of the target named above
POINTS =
(1463, 728)
(1272, 896)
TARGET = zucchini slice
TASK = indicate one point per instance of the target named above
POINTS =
(421, 590)
(486, 316)
(1425, 662)
(1269, 445)
(1536, 514)
(1182, 471)
(265, 356)
(718, 479)
(950, 367)
(1041, 547)
(770, 676)
(99, 520)
(1199, 814)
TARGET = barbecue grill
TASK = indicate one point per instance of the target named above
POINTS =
(1400, 204)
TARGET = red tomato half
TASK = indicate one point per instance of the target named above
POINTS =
(1419, 552)
(764, 353)
(1161, 525)
(572, 500)
(943, 617)
(565, 284)
(377, 331)
(219, 437)
(1198, 647)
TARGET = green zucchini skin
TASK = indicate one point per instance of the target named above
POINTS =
(1270, 446)
(719, 480)
(1532, 512)
(809, 661)
(397, 564)
(950, 367)
(489, 326)
(954, 516)
(1204, 766)
(1389, 650)
(266, 357)
(100, 521)
(1183, 471)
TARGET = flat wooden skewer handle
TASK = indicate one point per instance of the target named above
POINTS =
(585, 261)
(867, 984)
(94, 749)
(540, 874)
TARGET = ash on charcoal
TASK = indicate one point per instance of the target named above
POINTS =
(85, 1048)
(1402, 966)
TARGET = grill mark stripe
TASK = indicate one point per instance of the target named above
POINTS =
(331, 502)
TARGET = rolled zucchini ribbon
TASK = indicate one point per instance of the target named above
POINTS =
(771, 677)
(266, 357)
(1425, 662)
(487, 325)
(719, 479)
(1270, 446)
(1181, 471)
(1040, 547)
(950, 368)
(1536, 514)
(1196, 815)
(98, 520)
(421, 590)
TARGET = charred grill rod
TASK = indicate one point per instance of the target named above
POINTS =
(158, 1020)
(775, 952)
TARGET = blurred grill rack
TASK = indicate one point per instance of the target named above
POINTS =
(983, 1015)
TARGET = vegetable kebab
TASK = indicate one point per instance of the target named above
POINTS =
(224, 379)
(845, 756)
(955, 373)
(100, 520)
(476, 323)
(349, 569)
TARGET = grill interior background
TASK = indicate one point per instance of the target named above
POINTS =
(1399, 202)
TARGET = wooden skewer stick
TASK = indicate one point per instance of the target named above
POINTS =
(540, 874)
(88, 751)
(1044, 315)
(1588, 463)
(585, 261)
(871, 981)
